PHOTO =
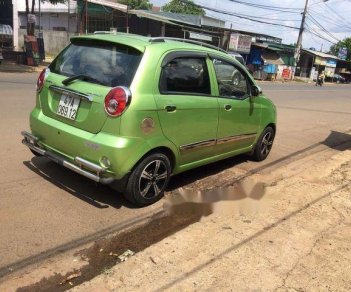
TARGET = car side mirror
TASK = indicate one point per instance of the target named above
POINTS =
(256, 90)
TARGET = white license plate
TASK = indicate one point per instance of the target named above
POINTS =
(68, 107)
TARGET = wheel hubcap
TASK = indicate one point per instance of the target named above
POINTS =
(266, 144)
(153, 179)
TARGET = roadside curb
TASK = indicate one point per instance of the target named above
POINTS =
(11, 67)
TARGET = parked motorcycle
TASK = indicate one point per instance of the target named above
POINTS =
(319, 81)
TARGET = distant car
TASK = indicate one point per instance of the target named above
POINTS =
(131, 111)
(335, 78)
(237, 57)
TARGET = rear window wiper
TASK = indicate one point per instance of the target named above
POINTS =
(81, 77)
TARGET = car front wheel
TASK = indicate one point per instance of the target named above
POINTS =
(148, 180)
(264, 144)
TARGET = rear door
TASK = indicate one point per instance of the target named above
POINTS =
(98, 66)
(239, 115)
(187, 110)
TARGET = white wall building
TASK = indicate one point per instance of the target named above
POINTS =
(60, 17)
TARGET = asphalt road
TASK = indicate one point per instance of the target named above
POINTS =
(45, 209)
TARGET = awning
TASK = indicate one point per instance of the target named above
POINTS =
(6, 30)
(320, 54)
(113, 5)
(271, 58)
(169, 17)
(101, 6)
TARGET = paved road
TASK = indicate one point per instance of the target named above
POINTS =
(45, 208)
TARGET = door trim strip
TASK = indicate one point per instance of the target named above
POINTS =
(229, 139)
(196, 145)
(213, 142)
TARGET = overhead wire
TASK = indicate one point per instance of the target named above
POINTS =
(312, 19)
(337, 14)
(243, 16)
(326, 18)
(329, 37)
(267, 7)
(314, 32)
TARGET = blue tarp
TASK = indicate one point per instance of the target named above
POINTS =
(254, 57)
(270, 68)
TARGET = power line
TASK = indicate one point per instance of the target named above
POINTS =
(328, 19)
(322, 28)
(240, 16)
(312, 31)
(336, 13)
(267, 7)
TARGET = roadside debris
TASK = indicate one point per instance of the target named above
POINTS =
(124, 256)
(71, 277)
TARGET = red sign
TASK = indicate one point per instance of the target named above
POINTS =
(286, 73)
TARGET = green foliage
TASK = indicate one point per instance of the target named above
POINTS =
(185, 7)
(334, 49)
(137, 4)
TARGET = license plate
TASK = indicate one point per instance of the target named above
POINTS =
(68, 107)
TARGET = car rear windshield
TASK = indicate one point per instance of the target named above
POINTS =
(108, 63)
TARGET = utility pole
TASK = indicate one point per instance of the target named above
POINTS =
(86, 16)
(68, 18)
(299, 39)
(39, 19)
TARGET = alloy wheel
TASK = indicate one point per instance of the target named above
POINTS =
(266, 143)
(153, 179)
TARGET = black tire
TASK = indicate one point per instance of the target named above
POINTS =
(148, 180)
(36, 153)
(264, 145)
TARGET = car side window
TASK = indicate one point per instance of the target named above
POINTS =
(185, 75)
(231, 82)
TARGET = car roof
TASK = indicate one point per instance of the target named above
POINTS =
(142, 42)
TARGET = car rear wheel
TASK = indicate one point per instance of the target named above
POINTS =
(35, 153)
(148, 180)
(264, 145)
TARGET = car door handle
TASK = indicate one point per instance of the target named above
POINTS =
(170, 108)
(227, 107)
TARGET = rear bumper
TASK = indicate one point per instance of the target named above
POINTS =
(83, 167)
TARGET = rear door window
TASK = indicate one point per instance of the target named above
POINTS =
(108, 63)
(185, 75)
(231, 81)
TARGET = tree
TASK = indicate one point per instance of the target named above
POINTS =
(137, 4)
(182, 6)
(345, 43)
(31, 22)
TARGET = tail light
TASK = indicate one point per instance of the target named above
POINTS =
(117, 100)
(41, 79)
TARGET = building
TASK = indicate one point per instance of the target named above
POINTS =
(312, 63)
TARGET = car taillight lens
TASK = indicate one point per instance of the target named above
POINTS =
(41, 79)
(117, 100)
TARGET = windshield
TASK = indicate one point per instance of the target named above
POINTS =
(108, 63)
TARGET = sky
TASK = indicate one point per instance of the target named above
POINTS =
(329, 19)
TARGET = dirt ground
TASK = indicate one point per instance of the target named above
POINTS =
(285, 230)
(294, 237)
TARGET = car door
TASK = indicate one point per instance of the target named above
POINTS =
(187, 110)
(239, 115)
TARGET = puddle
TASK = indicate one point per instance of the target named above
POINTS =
(181, 209)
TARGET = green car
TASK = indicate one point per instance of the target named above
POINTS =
(131, 111)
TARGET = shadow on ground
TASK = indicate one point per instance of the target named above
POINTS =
(97, 195)
(102, 255)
